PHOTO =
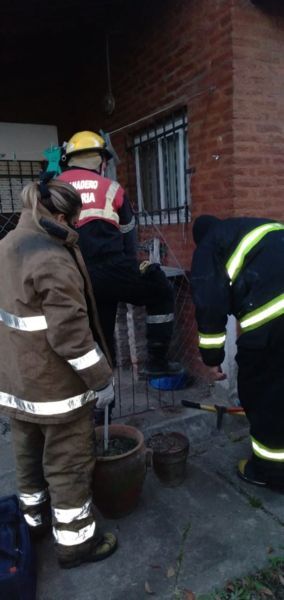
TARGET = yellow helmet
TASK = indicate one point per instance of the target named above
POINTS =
(86, 141)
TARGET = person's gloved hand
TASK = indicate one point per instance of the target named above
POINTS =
(105, 396)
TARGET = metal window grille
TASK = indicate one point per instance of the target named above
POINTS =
(14, 174)
(161, 159)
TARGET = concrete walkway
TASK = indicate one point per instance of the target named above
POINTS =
(194, 537)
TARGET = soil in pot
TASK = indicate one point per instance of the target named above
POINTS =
(116, 446)
(120, 472)
(170, 451)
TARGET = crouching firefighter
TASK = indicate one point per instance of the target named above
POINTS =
(52, 366)
(107, 239)
(238, 268)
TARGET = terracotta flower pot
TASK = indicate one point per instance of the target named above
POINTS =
(118, 480)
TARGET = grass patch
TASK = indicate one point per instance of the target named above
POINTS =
(255, 502)
(265, 584)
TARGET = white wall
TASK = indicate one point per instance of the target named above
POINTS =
(23, 141)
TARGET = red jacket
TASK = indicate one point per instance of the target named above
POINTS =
(106, 225)
(101, 197)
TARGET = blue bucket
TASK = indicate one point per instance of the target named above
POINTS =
(172, 382)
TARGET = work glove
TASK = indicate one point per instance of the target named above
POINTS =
(105, 396)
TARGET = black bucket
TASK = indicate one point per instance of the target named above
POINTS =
(170, 452)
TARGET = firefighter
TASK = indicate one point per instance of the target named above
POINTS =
(238, 268)
(52, 367)
(107, 240)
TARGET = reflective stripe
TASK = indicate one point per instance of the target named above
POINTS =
(263, 314)
(87, 360)
(160, 318)
(50, 408)
(214, 340)
(33, 521)
(68, 515)
(266, 453)
(23, 323)
(107, 212)
(99, 213)
(250, 240)
(72, 538)
(128, 227)
(35, 498)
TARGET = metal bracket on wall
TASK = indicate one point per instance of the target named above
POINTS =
(155, 248)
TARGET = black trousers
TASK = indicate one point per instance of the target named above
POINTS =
(261, 393)
(120, 280)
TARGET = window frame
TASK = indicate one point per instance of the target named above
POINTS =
(174, 124)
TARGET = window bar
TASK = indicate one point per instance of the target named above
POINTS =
(21, 173)
(10, 185)
(165, 161)
(176, 137)
(185, 154)
(157, 167)
(149, 172)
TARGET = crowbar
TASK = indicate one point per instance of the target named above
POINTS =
(219, 409)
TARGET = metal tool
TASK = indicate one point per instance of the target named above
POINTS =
(106, 429)
(219, 409)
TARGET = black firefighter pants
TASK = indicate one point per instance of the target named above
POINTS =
(120, 280)
(261, 393)
(56, 462)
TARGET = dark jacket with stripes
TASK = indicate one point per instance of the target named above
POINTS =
(50, 358)
(221, 287)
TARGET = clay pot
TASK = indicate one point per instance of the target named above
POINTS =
(170, 451)
(118, 480)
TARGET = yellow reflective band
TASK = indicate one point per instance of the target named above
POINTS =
(250, 240)
(72, 538)
(266, 453)
(216, 340)
(87, 360)
(263, 314)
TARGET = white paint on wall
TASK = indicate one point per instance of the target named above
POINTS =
(24, 141)
(229, 365)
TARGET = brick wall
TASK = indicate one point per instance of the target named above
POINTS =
(258, 48)
(180, 54)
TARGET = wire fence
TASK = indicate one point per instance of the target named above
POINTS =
(133, 395)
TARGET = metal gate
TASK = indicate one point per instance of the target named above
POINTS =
(133, 395)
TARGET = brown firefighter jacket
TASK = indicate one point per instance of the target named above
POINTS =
(50, 359)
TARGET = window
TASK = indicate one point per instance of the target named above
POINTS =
(14, 174)
(161, 160)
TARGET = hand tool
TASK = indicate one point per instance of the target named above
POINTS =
(219, 409)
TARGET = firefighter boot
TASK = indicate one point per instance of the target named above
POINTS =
(246, 471)
(98, 548)
(158, 365)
